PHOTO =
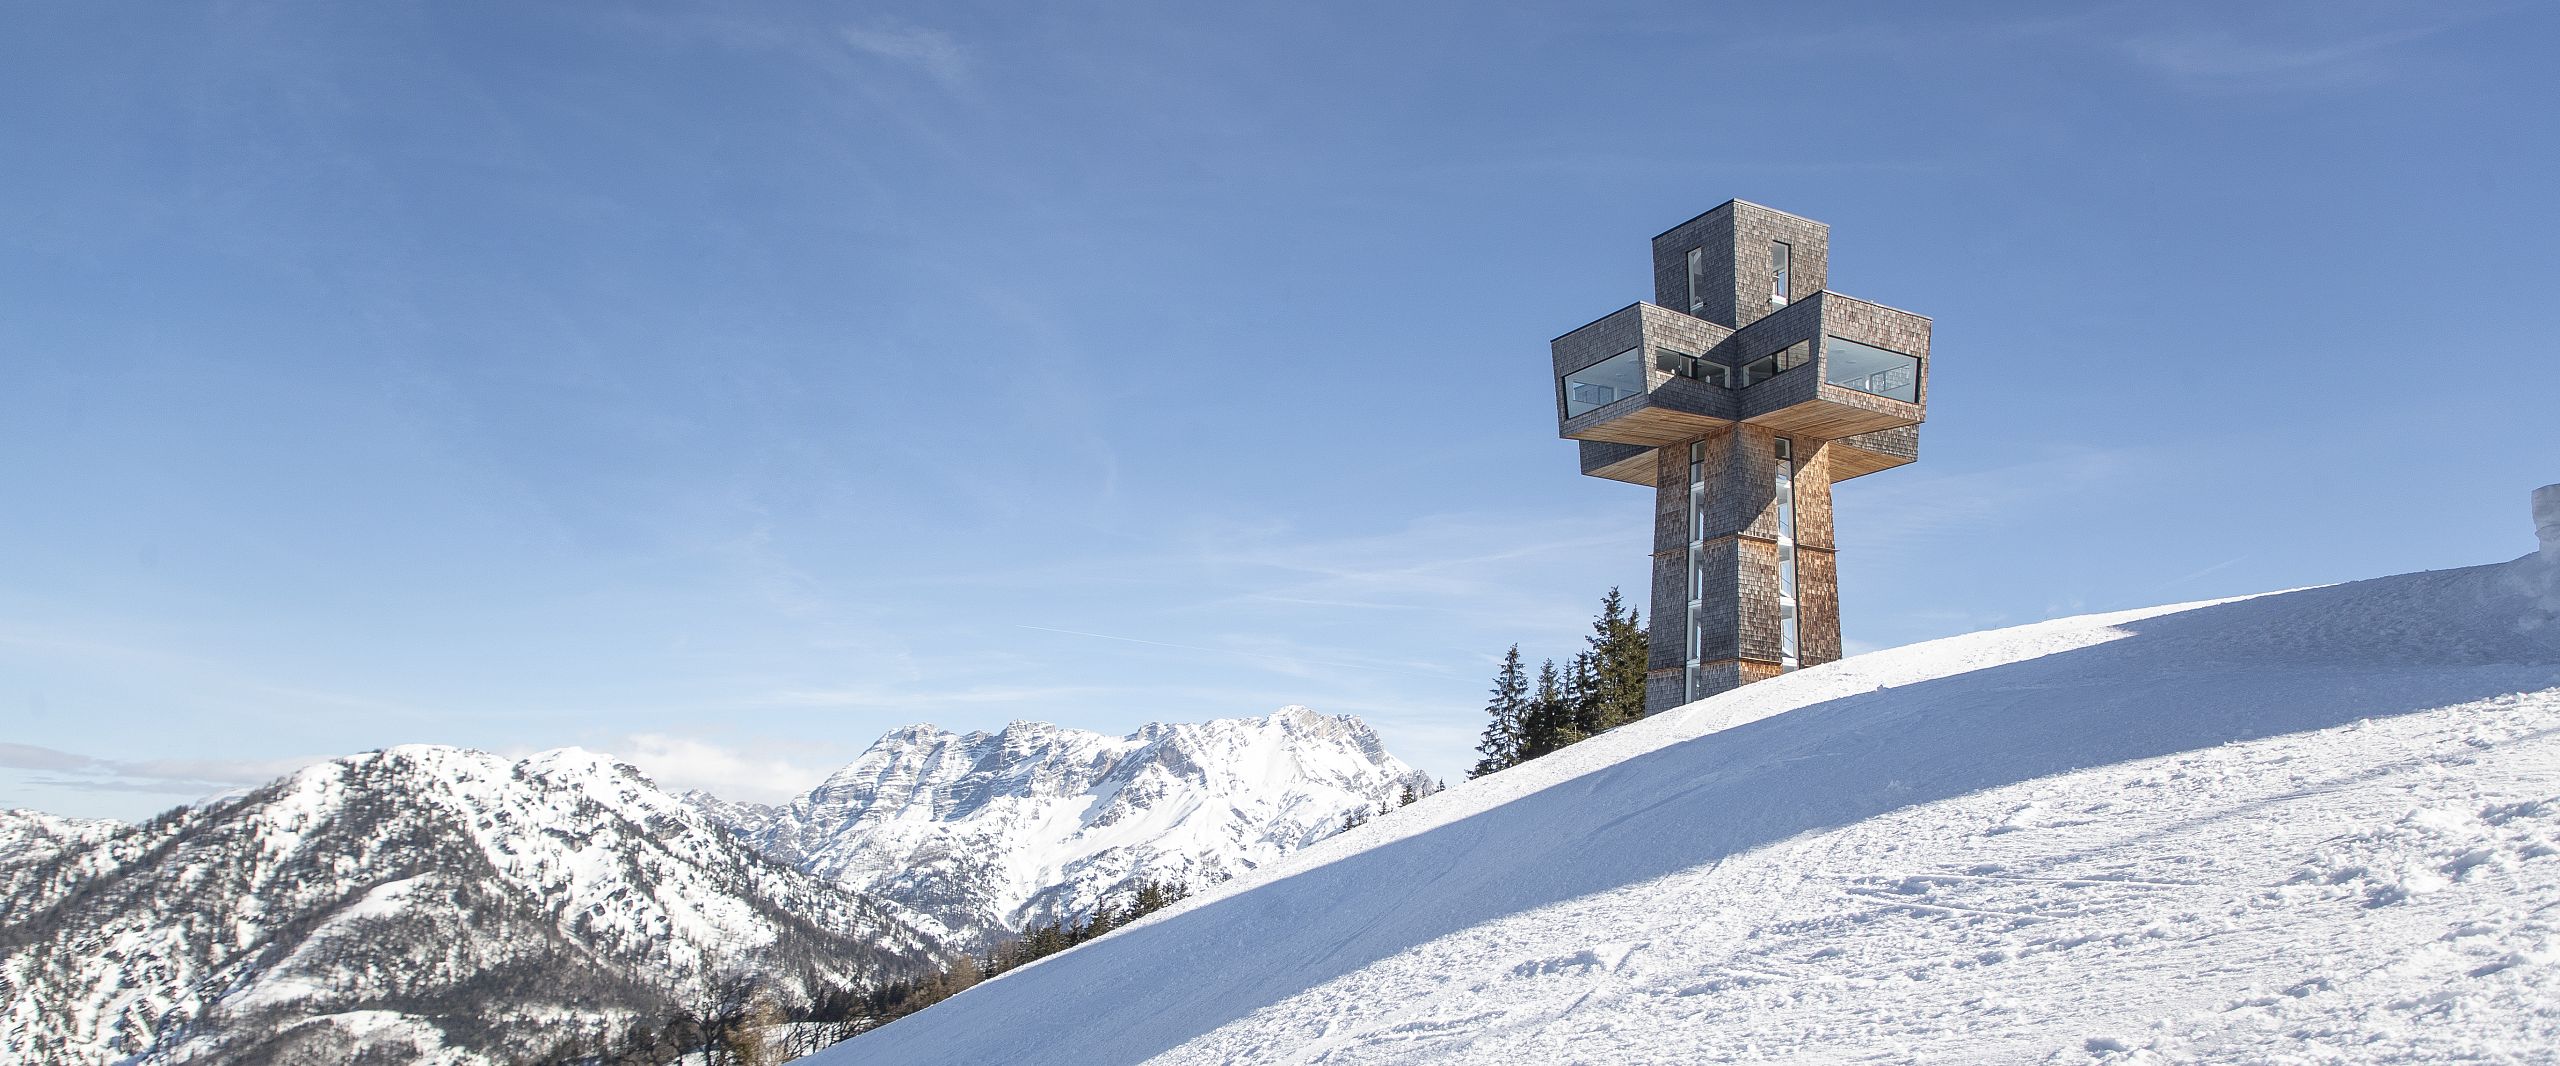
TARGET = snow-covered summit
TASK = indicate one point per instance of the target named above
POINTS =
(990, 832)
(2319, 825)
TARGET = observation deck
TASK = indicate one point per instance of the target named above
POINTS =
(1824, 367)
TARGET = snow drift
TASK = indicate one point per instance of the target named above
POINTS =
(2305, 826)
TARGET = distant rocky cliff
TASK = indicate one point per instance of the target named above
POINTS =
(991, 832)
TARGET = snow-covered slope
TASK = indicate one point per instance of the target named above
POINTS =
(30, 837)
(421, 904)
(990, 832)
(2312, 826)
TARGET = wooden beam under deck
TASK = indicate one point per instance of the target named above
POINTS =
(1650, 426)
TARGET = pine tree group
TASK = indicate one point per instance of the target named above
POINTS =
(1600, 688)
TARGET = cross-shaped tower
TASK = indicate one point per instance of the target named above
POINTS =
(1740, 395)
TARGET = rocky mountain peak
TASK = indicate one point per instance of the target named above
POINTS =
(369, 906)
(990, 833)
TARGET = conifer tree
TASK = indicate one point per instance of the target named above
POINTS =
(1543, 725)
(1583, 711)
(1509, 706)
(1599, 689)
(1617, 649)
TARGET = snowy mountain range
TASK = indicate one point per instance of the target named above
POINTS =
(410, 905)
(2312, 826)
(990, 833)
(438, 904)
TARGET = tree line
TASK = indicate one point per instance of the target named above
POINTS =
(1599, 689)
(732, 1023)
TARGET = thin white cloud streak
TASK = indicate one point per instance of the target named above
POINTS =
(176, 777)
(1294, 662)
(927, 49)
(1899, 517)
(913, 700)
(1451, 564)
(200, 673)
(2308, 45)
(2181, 580)
(2292, 54)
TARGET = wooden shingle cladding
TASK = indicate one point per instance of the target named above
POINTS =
(1737, 555)
(1833, 431)
(1800, 402)
(1797, 402)
(1736, 235)
(1889, 328)
(1867, 453)
(1631, 463)
(1672, 408)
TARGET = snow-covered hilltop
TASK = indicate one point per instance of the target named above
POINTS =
(2314, 826)
(990, 832)
(416, 904)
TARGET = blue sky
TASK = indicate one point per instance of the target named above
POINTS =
(722, 386)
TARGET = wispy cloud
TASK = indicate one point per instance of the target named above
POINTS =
(1906, 515)
(927, 49)
(173, 777)
(769, 573)
(2288, 45)
(2226, 60)
(918, 700)
(49, 642)
(674, 761)
(2285, 46)
(1452, 563)
(1289, 656)
(2183, 579)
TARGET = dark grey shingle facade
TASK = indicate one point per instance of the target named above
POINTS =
(1745, 374)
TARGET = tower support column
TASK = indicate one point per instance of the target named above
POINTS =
(1745, 583)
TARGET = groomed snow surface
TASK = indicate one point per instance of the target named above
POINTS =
(2312, 826)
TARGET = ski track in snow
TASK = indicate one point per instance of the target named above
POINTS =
(2394, 906)
(2315, 826)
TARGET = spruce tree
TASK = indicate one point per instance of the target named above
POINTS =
(1543, 725)
(1617, 650)
(1578, 714)
(1501, 744)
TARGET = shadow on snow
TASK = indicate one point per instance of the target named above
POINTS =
(2257, 668)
